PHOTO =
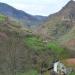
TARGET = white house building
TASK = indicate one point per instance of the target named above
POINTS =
(59, 68)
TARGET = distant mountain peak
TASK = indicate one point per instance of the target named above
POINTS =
(71, 2)
(68, 8)
(59, 23)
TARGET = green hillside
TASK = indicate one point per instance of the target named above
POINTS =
(25, 51)
(60, 27)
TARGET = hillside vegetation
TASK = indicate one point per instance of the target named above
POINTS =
(60, 27)
(25, 51)
(22, 53)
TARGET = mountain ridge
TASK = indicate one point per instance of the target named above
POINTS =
(24, 52)
(20, 15)
(60, 26)
(65, 14)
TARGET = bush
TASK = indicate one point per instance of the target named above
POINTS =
(2, 18)
(73, 73)
(34, 43)
(31, 72)
(55, 47)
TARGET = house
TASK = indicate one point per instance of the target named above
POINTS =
(59, 68)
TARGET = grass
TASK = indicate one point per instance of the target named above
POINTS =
(34, 43)
(2, 18)
(55, 47)
(57, 50)
(31, 72)
(73, 73)
(37, 44)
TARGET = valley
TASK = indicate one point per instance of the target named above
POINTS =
(30, 44)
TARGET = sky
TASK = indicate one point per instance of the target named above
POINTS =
(37, 7)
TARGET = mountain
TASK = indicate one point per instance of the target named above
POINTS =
(24, 53)
(60, 26)
(20, 15)
(59, 23)
(21, 52)
(12, 47)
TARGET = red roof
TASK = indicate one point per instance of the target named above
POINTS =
(70, 61)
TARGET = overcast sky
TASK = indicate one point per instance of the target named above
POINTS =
(37, 7)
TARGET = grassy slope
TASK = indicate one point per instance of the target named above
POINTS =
(24, 51)
(68, 39)
(11, 45)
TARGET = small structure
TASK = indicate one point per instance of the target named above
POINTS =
(59, 68)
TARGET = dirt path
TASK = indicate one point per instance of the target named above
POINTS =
(69, 62)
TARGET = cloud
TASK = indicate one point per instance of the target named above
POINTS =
(37, 7)
(33, 9)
